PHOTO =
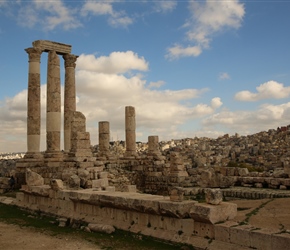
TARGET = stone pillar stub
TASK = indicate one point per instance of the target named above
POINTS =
(153, 143)
(80, 139)
(130, 130)
(33, 103)
(104, 137)
(53, 117)
(69, 97)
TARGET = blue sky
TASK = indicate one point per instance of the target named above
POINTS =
(190, 68)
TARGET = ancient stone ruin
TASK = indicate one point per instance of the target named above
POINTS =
(149, 192)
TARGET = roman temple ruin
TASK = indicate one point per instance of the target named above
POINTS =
(151, 193)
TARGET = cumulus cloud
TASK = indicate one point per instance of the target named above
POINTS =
(157, 84)
(268, 90)
(248, 122)
(216, 102)
(179, 51)
(116, 18)
(115, 63)
(103, 94)
(208, 18)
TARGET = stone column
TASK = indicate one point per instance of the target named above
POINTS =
(33, 101)
(153, 144)
(104, 138)
(130, 129)
(53, 110)
(69, 97)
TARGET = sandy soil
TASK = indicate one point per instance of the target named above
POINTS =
(13, 237)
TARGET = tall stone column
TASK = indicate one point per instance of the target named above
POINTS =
(53, 110)
(104, 138)
(69, 97)
(130, 129)
(33, 102)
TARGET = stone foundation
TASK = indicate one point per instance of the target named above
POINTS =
(187, 222)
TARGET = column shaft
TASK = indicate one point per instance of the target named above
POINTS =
(33, 101)
(69, 97)
(53, 111)
(104, 137)
(130, 126)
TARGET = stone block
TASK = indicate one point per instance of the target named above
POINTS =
(19, 197)
(172, 224)
(213, 196)
(262, 239)
(56, 184)
(80, 144)
(176, 209)
(85, 165)
(33, 178)
(81, 136)
(155, 174)
(213, 213)
(240, 235)
(187, 226)
(102, 175)
(222, 231)
(176, 194)
(280, 241)
(130, 188)
(102, 183)
(203, 229)
(40, 190)
(110, 189)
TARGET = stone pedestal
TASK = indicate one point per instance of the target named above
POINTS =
(33, 103)
(69, 97)
(177, 168)
(130, 129)
(53, 115)
(80, 140)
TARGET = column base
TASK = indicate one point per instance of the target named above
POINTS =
(33, 155)
(53, 156)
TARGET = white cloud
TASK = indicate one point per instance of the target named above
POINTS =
(48, 14)
(97, 8)
(268, 90)
(178, 51)
(224, 76)
(115, 63)
(157, 84)
(165, 6)
(116, 18)
(208, 18)
(267, 116)
(216, 102)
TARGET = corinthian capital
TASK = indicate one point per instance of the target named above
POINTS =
(34, 54)
(70, 60)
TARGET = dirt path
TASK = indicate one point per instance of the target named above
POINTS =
(13, 237)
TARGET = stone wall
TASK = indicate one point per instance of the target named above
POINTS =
(200, 225)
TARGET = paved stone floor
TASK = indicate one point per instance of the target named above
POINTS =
(265, 213)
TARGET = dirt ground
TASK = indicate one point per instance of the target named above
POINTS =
(13, 237)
